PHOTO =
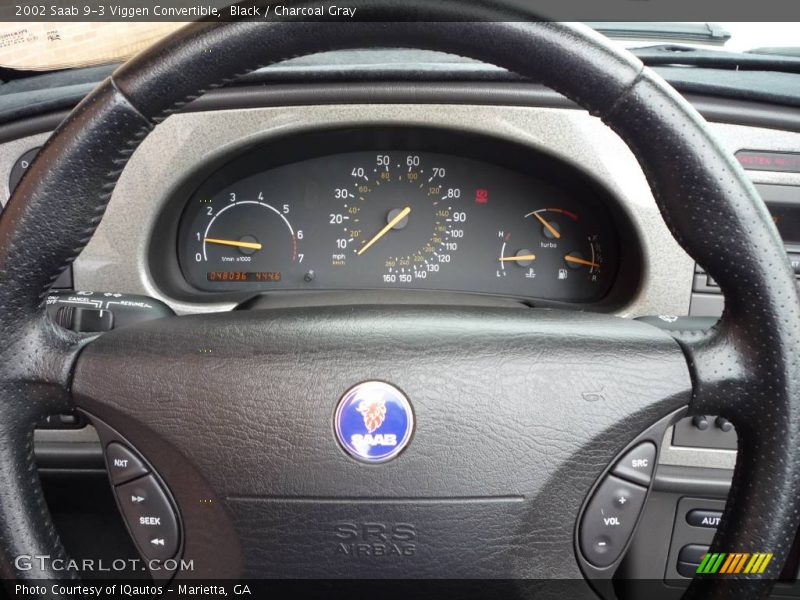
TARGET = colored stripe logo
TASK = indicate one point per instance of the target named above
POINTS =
(731, 563)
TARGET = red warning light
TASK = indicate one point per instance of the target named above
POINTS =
(481, 196)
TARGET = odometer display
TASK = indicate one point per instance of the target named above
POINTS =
(268, 276)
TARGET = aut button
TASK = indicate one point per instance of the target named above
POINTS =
(150, 517)
(123, 464)
(704, 518)
(637, 465)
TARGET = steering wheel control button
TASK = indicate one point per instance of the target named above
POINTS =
(123, 464)
(374, 421)
(708, 519)
(602, 545)
(692, 554)
(78, 318)
(638, 464)
(609, 520)
(686, 569)
(150, 517)
(723, 424)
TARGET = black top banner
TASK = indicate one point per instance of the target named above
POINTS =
(364, 10)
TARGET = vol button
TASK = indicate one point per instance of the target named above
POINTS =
(609, 520)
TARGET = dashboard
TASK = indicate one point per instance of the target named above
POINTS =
(524, 158)
(398, 208)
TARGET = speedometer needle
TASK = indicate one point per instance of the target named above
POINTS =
(580, 261)
(250, 245)
(397, 218)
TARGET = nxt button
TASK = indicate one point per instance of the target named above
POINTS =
(123, 464)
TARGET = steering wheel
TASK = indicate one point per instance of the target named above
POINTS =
(234, 411)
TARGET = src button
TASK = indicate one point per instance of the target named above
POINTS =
(637, 465)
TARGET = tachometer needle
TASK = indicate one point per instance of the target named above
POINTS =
(397, 218)
(236, 244)
(520, 257)
(549, 227)
(580, 261)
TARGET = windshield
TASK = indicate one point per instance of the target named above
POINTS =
(750, 36)
(40, 46)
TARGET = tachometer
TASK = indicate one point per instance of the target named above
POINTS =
(397, 217)
(234, 238)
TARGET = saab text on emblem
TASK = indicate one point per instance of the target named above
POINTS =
(374, 421)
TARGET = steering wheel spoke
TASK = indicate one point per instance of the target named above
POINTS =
(513, 409)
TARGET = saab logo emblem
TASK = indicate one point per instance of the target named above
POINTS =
(374, 412)
(374, 421)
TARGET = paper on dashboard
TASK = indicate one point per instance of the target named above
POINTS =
(50, 46)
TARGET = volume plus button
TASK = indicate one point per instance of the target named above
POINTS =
(609, 520)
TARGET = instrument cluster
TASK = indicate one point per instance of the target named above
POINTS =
(458, 215)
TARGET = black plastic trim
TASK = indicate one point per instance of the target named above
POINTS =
(713, 108)
(31, 126)
(81, 456)
(698, 481)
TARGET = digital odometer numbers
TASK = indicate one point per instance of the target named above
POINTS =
(396, 216)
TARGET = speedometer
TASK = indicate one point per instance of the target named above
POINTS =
(396, 215)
